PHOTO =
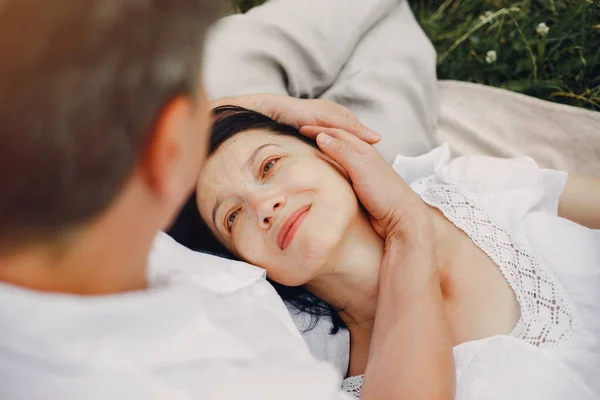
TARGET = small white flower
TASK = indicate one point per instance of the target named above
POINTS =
(486, 16)
(542, 29)
(491, 57)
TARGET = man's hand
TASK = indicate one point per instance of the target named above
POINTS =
(304, 112)
(388, 199)
(411, 351)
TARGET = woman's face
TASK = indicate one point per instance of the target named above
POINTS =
(278, 203)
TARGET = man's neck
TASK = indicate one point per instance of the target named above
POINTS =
(84, 267)
(105, 256)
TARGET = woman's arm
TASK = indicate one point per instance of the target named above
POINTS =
(580, 201)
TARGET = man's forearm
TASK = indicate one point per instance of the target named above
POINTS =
(411, 350)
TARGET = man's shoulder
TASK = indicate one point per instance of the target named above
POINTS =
(169, 263)
(226, 287)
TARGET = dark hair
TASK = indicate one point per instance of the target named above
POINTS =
(81, 83)
(191, 231)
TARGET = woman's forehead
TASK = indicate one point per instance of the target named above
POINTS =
(247, 140)
(235, 152)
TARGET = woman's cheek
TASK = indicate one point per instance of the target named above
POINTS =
(301, 175)
(246, 249)
(252, 250)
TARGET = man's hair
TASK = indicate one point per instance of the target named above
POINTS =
(190, 230)
(81, 84)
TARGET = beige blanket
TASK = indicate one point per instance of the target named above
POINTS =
(476, 119)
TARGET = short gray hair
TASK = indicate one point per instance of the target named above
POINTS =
(81, 83)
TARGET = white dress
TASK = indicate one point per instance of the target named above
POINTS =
(508, 207)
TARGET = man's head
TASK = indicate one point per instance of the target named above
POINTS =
(103, 121)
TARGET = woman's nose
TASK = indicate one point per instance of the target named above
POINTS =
(267, 210)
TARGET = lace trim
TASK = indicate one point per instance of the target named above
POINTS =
(353, 385)
(546, 315)
(547, 318)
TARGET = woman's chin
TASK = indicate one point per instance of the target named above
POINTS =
(316, 252)
(312, 252)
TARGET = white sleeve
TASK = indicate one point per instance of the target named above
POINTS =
(513, 186)
(502, 367)
(295, 47)
(171, 263)
(276, 381)
(214, 381)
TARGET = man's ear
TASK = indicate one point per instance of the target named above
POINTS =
(165, 148)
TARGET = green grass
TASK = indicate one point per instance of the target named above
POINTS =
(562, 66)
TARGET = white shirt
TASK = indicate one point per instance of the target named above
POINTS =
(509, 208)
(207, 329)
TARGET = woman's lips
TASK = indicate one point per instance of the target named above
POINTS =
(290, 226)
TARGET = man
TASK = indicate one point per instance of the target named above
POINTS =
(103, 133)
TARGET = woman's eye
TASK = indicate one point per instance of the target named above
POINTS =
(267, 166)
(231, 220)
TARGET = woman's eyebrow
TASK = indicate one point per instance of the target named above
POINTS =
(254, 154)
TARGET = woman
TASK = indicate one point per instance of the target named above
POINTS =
(516, 278)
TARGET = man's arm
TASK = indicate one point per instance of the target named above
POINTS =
(411, 351)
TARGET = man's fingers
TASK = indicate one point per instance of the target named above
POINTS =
(349, 139)
(335, 146)
(353, 126)
(313, 132)
(339, 151)
(363, 133)
(346, 153)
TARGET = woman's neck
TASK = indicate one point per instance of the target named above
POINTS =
(351, 282)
